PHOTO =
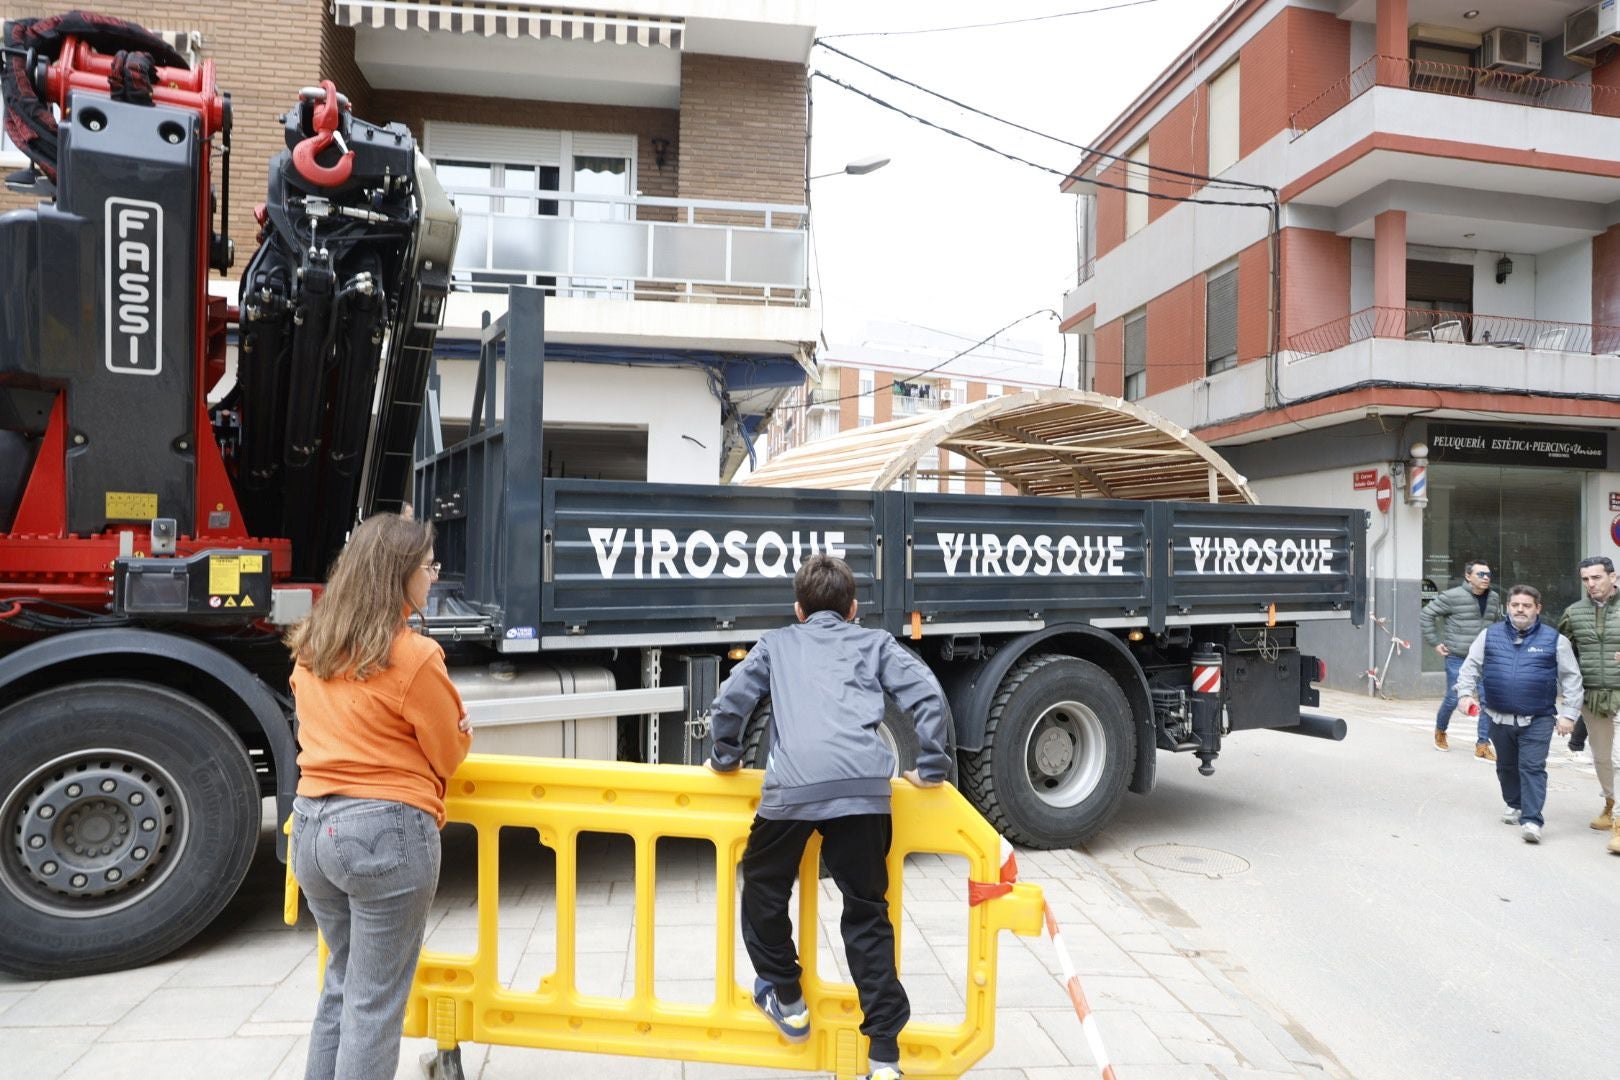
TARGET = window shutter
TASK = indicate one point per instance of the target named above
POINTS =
(1220, 319)
(491, 142)
(1135, 345)
(1223, 120)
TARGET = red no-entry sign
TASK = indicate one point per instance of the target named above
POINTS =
(1385, 493)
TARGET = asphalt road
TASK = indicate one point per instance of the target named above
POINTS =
(1385, 908)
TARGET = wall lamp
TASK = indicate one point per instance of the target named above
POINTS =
(660, 152)
(1504, 267)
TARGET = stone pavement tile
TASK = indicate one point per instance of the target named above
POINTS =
(1128, 1040)
(1023, 981)
(293, 1000)
(1121, 991)
(1169, 967)
(1279, 1036)
(1137, 1072)
(1237, 1073)
(253, 1028)
(1199, 1052)
(921, 887)
(1257, 1050)
(1137, 942)
(1062, 1026)
(685, 991)
(520, 1063)
(473, 1058)
(1202, 998)
(255, 959)
(8, 998)
(191, 1013)
(1021, 1043)
(1092, 951)
(1179, 1025)
(703, 1070)
(182, 1059)
(92, 999)
(44, 1053)
(935, 995)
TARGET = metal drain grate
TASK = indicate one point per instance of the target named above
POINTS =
(1191, 859)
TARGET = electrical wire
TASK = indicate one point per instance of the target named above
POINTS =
(991, 25)
(949, 359)
(1148, 166)
(1010, 156)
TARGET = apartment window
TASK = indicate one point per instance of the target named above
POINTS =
(504, 238)
(1439, 294)
(1136, 356)
(1442, 70)
(1136, 178)
(1223, 120)
(1220, 320)
(864, 403)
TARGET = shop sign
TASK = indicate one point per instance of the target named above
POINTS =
(1614, 500)
(1367, 479)
(1491, 444)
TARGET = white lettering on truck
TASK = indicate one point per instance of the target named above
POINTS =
(134, 283)
(1228, 555)
(988, 555)
(659, 554)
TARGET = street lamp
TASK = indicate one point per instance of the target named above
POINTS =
(857, 168)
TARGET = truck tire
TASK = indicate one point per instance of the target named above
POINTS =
(896, 730)
(1058, 752)
(130, 814)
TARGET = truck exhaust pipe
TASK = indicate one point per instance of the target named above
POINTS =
(1318, 727)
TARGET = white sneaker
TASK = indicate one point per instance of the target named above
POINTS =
(1510, 815)
(1531, 832)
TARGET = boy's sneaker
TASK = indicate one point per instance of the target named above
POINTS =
(1531, 832)
(1510, 815)
(793, 1021)
(882, 1070)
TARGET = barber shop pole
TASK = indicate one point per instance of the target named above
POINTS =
(1417, 482)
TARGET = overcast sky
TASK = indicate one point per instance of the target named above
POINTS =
(950, 236)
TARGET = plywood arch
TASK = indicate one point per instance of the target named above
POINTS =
(1042, 442)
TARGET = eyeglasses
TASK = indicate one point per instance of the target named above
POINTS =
(433, 567)
(1482, 573)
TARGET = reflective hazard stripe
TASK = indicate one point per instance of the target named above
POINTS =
(1206, 680)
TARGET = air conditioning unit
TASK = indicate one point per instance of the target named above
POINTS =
(1511, 50)
(188, 43)
(1589, 29)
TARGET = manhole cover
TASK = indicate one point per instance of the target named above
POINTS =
(1190, 859)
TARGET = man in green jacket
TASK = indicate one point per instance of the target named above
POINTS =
(1451, 622)
(1593, 627)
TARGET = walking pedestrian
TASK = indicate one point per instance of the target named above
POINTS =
(1451, 622)
(1593, 628)
(380, 728)
(828, 771)
(1523, 671)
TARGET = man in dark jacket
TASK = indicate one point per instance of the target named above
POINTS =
(828, 771)
(1593, 628)
(1519, 674)
(1451, 622)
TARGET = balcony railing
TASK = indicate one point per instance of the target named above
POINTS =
(618, 246)
(1466, 329)
(1433, 77)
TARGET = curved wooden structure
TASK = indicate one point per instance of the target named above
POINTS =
(1041, 442)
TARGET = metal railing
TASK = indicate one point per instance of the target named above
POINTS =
(627, 247)
(1455, 80)
(1456, 328)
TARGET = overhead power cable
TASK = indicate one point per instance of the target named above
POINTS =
(1001, 22)
(1163, 170)
(911, 375)
(1010, 156)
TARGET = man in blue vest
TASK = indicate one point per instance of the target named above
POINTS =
(1529, 675)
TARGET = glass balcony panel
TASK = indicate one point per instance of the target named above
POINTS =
(615, 249)
(471, 248)
(535, 244)
(682, 253)
(767, 258)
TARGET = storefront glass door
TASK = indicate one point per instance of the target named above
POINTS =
(1525, 522)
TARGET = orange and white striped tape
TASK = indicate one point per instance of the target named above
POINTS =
(979, 892)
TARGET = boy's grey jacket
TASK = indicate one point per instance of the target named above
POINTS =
(826, 679)
(1453, 619)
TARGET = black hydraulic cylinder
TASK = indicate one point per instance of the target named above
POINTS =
(1318, 727)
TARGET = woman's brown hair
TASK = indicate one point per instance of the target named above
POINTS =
(351, 631)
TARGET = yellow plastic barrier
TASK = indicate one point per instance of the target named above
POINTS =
(457, 998)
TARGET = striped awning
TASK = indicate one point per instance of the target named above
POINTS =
(510, 21)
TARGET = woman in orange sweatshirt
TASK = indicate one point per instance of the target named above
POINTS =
(380, 729)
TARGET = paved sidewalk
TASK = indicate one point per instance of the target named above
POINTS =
(237, 1003)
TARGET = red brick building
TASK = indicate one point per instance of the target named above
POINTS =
(1431, 276)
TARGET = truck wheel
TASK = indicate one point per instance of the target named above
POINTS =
(1058, 752)
(897, 732)
(129, 814)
